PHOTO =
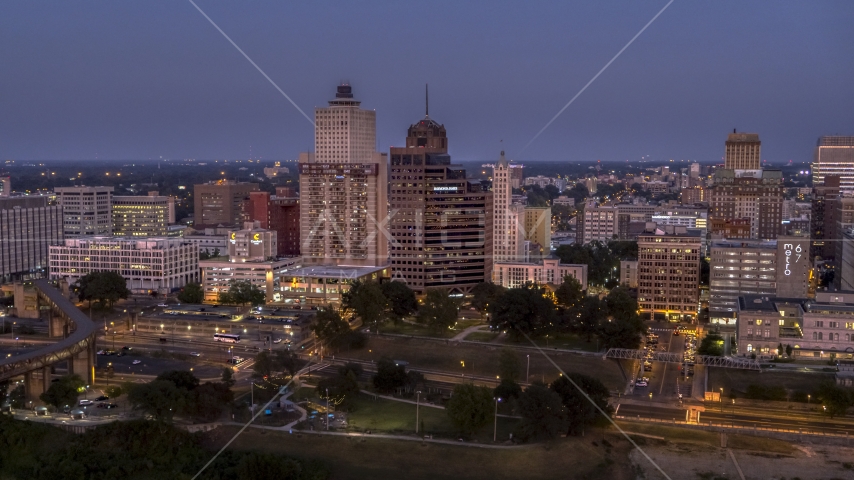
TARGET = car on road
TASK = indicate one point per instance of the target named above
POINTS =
(136, 362)
(102, 398)
(278, 340)
(84, 402)
(102, 352)
(127, 349)
(195, 354)
(162, 305)
(641, 383)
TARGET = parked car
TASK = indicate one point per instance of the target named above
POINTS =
(136, 362)
(102, 398)
(278, 340)
(162, 305)
(641, 383)
(84, 402)
(195, 354)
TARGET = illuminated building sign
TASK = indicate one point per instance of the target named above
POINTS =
(446, 189)
(256, 239)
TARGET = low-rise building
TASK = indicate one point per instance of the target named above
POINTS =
(158, 264)
(629, 273)
(548, 271)
(765, 323)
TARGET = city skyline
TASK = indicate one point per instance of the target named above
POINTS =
(133, 83)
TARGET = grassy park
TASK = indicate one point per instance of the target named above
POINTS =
(482, 360)
(738, 380)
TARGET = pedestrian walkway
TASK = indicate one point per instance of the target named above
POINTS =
(462, 335)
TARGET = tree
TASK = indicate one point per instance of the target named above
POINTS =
(367, 301)
(621, 304)
(63, 392)
(780, 350)
(523, 311)
(509, 365)
(588, 318)
(161, 399)
(264, 365)
(210, 400)
(788, 350)
(712, 344)
(401, 300)
(580, 411)
(114, 391)
(105, 287)
(836, 400)
(191, 293)
(286, 361)
(241, 292)
(390, 376)
(334, 332)
(507, 390)
(470, 408)
(569, 293)
(227, 377)
(342, 389)
(182, 379)
(485, 293)
(543, 413)
(439, 310)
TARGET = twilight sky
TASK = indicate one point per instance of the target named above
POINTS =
(138, 80)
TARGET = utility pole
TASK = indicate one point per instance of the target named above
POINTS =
(495, 426)
(528, 370)
(327, 409)
(417, 401)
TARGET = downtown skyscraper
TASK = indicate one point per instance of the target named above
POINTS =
(440, 221)
(343, 185)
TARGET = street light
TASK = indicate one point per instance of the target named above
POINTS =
(495, 426)
(327, 409)
(417, 400)
(528, 370)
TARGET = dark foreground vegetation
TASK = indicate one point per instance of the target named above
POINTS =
(133, 450)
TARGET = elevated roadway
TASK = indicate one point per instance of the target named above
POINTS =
(76, 344)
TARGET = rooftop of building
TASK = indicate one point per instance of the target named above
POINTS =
(651, 230)
(334, 271)
(765, 303)
(742, 137)
(744, 243)
(835, 141)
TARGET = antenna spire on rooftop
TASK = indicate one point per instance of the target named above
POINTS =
(426, 101)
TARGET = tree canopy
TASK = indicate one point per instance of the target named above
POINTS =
(439, 310)
(334, 332)
(470, 408)
(366, 300)
(524, 310)
(389, 376)
(485, 293)
(191, 293)
(401, 300)
(543, 413)
(104, 287)
(579, 411)
(63, 392)
(241, 293)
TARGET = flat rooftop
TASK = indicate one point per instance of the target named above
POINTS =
(340, 271)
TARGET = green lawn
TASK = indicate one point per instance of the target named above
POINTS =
(406, 328)
(380, 459)
(486, 337)
(738, 380)
(712, 439)
(474, 359)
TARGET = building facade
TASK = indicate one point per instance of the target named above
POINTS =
(596, 222)
(538, 228)
(669, 273)
(150, 264)
(508, 237)
(823, 218)
(629, 273)
(142, 216)
(28, 225)
(754, 196)
(548, 271)
(834, 155)
(343, 188)
(765, 323)
(742, 151)
(220, 203)
(86, 211)
(279, 213)
(440, 222)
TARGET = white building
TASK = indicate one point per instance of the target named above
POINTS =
(344, 188)
(508, 238)
(252, 243)
(548, 271)
(86, 211)
(629, 273)
(598, 222)
(142, 215)
(212, 241)
(149, 264)
(564, 200)
(834, 155)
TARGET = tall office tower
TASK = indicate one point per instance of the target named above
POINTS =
(517, 178)
(823, 218)
(440, 222)
(343, 188)
(220, 203)
(27, 226)
(753, 197)
(5, 186)
(834, 155)
(507, 238)
(538, 228)
(694, 170)
(596, 222)
(142, 216)
(742, 151)
(669, 273)
(86, 210)
(279, 214)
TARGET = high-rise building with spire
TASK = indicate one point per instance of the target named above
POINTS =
(508, 239)
(343, 185)
(440, 222)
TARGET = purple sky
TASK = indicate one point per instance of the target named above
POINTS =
(137, 80)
